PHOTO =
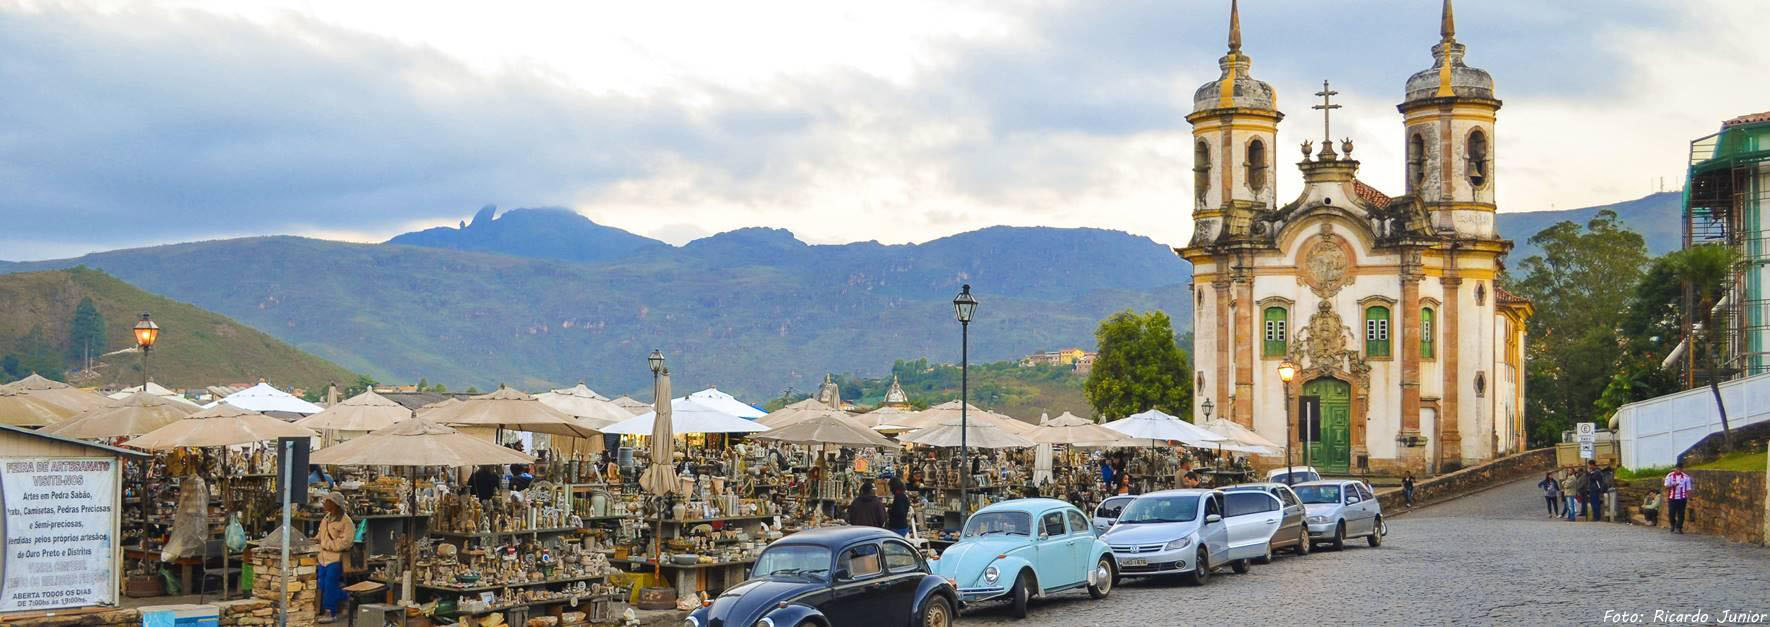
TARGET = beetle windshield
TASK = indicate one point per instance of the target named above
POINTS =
(1161, 509)
(793, 561)
(1319, 493)
(999, 523)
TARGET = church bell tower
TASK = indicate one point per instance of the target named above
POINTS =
(1234, 128)
(1448, 116)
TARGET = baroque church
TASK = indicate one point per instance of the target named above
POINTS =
(1408, 355)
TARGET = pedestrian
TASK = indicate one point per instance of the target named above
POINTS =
(484, 482)
(1124, 482)
(1592, 492)
(1650, 507)
(1551, 493)
(337, 534)
(1108, 478)
(520, 477)
(1570, 494)
(1407, 489)
(1677, 486)
(867, 510)
(899, 518)
(318, 477)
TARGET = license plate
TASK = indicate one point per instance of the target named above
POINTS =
(1138, 562)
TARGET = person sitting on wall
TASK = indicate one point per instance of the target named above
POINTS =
(1650, 507)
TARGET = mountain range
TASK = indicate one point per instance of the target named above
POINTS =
(540, 297)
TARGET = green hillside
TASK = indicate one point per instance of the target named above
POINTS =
(196, 347)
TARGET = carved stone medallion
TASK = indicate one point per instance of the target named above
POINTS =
(1325, 267)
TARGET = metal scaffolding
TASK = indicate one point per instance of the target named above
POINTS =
(1725, 196)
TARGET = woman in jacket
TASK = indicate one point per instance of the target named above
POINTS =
(337, 534)
(1551, 493)
(1569, 491)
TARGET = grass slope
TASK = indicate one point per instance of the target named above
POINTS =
(196, 347)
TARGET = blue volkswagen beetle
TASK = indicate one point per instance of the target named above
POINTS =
(834, 577)
(1026, 548)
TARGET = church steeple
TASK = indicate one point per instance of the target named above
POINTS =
(1447, 24)
(1449, 112)
(1234, 126)
(1235, 26)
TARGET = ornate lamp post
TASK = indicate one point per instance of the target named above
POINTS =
(146, 333)
(964, 306)
(1208, 406)
(1286, 372)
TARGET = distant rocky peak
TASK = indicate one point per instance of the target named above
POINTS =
(484, 216)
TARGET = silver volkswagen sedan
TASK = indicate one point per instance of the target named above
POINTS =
(1292, 532)
(1178, 532)
(1338, 509)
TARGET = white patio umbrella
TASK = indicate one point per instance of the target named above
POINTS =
(687, 416)
(263, 398)
(1157, 426)
(1242, 439)
(585, 404)
(727, 403)
(156, 390)
(976, 435)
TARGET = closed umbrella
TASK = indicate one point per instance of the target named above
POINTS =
(364, 412)
(659, 477)
(832, 427)
(947, 435)
(139, 413)
(510, 409)
(57, 393)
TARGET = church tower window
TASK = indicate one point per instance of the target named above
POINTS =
(1477, 158)
(1376, 332)
(1416, 162)
(1277, 319)
(1201, 170)
(1426, 348)
(1257, 165)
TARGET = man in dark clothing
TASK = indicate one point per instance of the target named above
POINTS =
(867, 509)
(1594, 492)
(1407, 489)
(483, 483)
(520, 478)
(899, 520)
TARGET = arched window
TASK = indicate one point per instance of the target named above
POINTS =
(1416, 162)
(1277, 321)
(1201, 170)
(1376, 331)
(1426, 320)
(1477, 158)
(1256, 165)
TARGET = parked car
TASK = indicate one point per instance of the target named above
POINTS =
(1293, 532)
(1340, 509)
(1026, 548)
(1107, 512)
(1293, 475)
(835, 576)
(1173, 532)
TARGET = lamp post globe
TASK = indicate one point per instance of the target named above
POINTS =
(964, 306)
(146, 333)
(1207, 406)
(656, 360)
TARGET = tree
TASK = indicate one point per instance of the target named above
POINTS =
(1581, 284)
(440, 388)
(1649, 328)
(86, 339)
(363, 384)
(471, 390)
(1140, 367)
(1704, 271)
(423, 384)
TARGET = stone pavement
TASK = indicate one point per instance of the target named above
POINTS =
(1491, 558)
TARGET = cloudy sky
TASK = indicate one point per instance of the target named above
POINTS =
(128, 124)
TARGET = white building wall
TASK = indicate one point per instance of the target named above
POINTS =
(1655, 431)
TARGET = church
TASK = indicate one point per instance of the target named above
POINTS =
(1407, 354)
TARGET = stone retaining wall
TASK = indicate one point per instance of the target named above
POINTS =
(1472, 479)
(1728, 504)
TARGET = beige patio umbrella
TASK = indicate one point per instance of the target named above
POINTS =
(55, 392)
(1086, 434)
(976, 435)
(510, 409)
(887, 419)
(940, 414)
(585, 405)
(1067, 419)
(364, 412)
(221, 425)
(795, 412)
(20, 409)
(833, 427)
(139, 413)
(633, 406)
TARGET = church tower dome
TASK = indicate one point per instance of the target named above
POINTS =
(1448, 114)
(1234, 132)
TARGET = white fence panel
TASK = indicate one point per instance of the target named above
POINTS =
(1653, 432)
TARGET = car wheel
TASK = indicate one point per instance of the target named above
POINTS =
(1021, 594)
(1267, 558)
(1105, 577)
(1376, 537)
(1340, 536)
(1241, 566)
(1304, 544)
(936, 612)
(1201, 571)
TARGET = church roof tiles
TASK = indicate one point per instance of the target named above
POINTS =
(1369, 194)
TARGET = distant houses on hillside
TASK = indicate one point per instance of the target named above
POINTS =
(1081, 360)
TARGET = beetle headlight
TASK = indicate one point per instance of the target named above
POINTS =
(691, 622)
(1178, 544)
(991, 574)
(765, 622)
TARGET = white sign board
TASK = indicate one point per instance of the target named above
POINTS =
(1586, 450)
(61, 525)
(1588, 431)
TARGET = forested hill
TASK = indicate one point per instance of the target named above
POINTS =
(1657, 217)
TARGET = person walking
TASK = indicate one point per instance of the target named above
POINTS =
(1650, 507)
(1570, 494)
(1592, 492)
(484, 482)
(867, 510)
(337, 534)
(1407, 489)
(1108, 477)
(1677, 486)
(1551, 493)
(899, 518)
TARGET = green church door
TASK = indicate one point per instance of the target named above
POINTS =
(1331, 418)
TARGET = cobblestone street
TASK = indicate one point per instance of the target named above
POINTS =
(1493, 558)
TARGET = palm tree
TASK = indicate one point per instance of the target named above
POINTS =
(1706, 271)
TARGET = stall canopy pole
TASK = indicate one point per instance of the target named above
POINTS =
(283, 587)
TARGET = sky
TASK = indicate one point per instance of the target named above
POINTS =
(139, 123)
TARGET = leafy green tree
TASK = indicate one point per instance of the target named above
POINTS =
(1649, 328)
(1581, 285)
(34, 353)
(1704, 271)
(86, 339)
(440, 388)
(423, 384)
(1140, 367)
(363, 383)
(471, 390)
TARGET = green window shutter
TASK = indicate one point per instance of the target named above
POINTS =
(1376, 332)
(1276, 331)
(1426, 333)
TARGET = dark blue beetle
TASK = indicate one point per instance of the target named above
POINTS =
(834, 577)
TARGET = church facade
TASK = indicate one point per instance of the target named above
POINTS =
(1408, 354)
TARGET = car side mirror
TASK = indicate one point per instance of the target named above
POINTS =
(841, 574)
(1213, 518)
(1351, 499)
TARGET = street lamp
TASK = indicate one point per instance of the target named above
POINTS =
(1208, 406)
(657, 362)
(1286, 372)
(963, 306)
(146, 333)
